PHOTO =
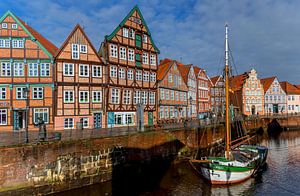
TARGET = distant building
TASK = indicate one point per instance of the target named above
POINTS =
(172, 91)
(292, 97)
(189, 77)
(217, 92)
(26, 77)
(131, 56)
(248, 93)
(203, 92)
(80, 78)
(275, 96)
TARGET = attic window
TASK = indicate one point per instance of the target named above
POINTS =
(131, 34)
(14, 26)
(125, 32)
(145, 38)
(4, 25)
(75, 51)
(83, 49)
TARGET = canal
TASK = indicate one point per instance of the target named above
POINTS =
(280, 177)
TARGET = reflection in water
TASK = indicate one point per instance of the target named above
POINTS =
(280, 177)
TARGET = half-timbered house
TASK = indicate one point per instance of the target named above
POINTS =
(26, 75)
(131, 57)
(80, 78)
(217, 92)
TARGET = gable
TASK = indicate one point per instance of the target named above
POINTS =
(192, 73)
(133, 20)
(79, 38)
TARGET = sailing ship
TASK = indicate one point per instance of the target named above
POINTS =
(241, 161)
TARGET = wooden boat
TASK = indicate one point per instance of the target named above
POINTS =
(240, 161)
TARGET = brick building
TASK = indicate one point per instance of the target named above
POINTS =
(26, 75)
(172, 91)
(80, 78)
(217, 92)
(131, 57)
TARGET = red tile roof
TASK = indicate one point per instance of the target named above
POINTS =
(49, 46)
(236, 82)
(266, 82)
(184, 70)
(163, 68)
(214, 79)
(289, 88)
(197, 70)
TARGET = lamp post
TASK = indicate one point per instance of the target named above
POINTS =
(26, 96)
(191, 101)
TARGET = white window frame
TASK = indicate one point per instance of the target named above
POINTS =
(17, 43)
(4, 43)
(115, 96)
(19, 93)
(70, 69)
(75, 51)
(145, 58)
(4, 25)
(122, 51)
(85, 122)
(139, 75)
(137, 97)
(83, 48)
(33, 69)
(14, 26)
(125, 32)
(144, 97)
(130, 55)
(153, 77)
(45, 69)
(113, 52)
(3, 112)
(84, 70)
(145, 38)
(153, 59)
(37, 92)
(69, 96)
(70, 121)
(97, 71)
(113, 71)
(130, 75)
(121, 73)
(18, 69)
(5, 69)
(146, 76)
(97, 96)
(2, 93)
(127, 97)
(84, 96)
(41, 112)
(131, 33)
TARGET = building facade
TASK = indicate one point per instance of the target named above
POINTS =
(80, 78)
(275, 96)
(131, 57)
(248, 93)
(217, 92)
(26, 75)
(292, 97)
(203, 93)
(172, 91)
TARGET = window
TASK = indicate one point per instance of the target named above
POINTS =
(113, 50)
(75, 51)
(115, 96)
(84, 70)
(33, 69)
(113, 71)
(83, 96)
(161, 112)
(68, 69)
(2, 93)
(17, 43)
(130, 54)
(145, 58)
(131, 34)
(152, 98)
(83, 49)
(40, 113)
(176, 95)
(170, 78)
(152, 59)
(122, 73)
(130, 74)
(172, 95)
(97, 71)
(125, 32)
(145, 38)
(162, 94)
(45, 69)
(137, 95)
(4, 43)
(123, 53)
(128, 119)
(19, 92)
(97, 96)
(144, 97)
(14, 26)
(37, 92)
(153, 77)
(146, 76)
(85, 122)
(69, 123)
(167, 95)
(4, 25)
(127, 97)
(138, 75)
(5, 69)
(18, 69)
(118, 119)
(68, 96)
(3, 117)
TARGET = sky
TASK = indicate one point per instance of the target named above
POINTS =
(263, 34)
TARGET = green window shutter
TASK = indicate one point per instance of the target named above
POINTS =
(138, 60)
(138, 41)
(138, 63)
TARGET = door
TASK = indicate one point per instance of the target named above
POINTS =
(253, 110)
(19, 119)
(150, 118)
(275, 108)
(138, 40)
(97, 120)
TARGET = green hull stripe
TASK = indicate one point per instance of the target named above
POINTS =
(230, 168)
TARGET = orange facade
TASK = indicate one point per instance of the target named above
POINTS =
(80, 78)
(132, 65)
(203, 93)
(26, 75)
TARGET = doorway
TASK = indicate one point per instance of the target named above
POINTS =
(253, 110)
(19, 119)
(275, 108)
(97, 120)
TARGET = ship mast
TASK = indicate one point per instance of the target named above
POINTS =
(227, 123)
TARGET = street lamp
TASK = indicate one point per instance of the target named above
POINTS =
(191, 101)
(26, 96)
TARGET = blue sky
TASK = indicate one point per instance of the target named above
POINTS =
(264, 35)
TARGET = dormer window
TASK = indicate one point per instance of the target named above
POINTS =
(125, 32)
(4, 25)
(14, 26)
(83, 48)
(145, 38)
